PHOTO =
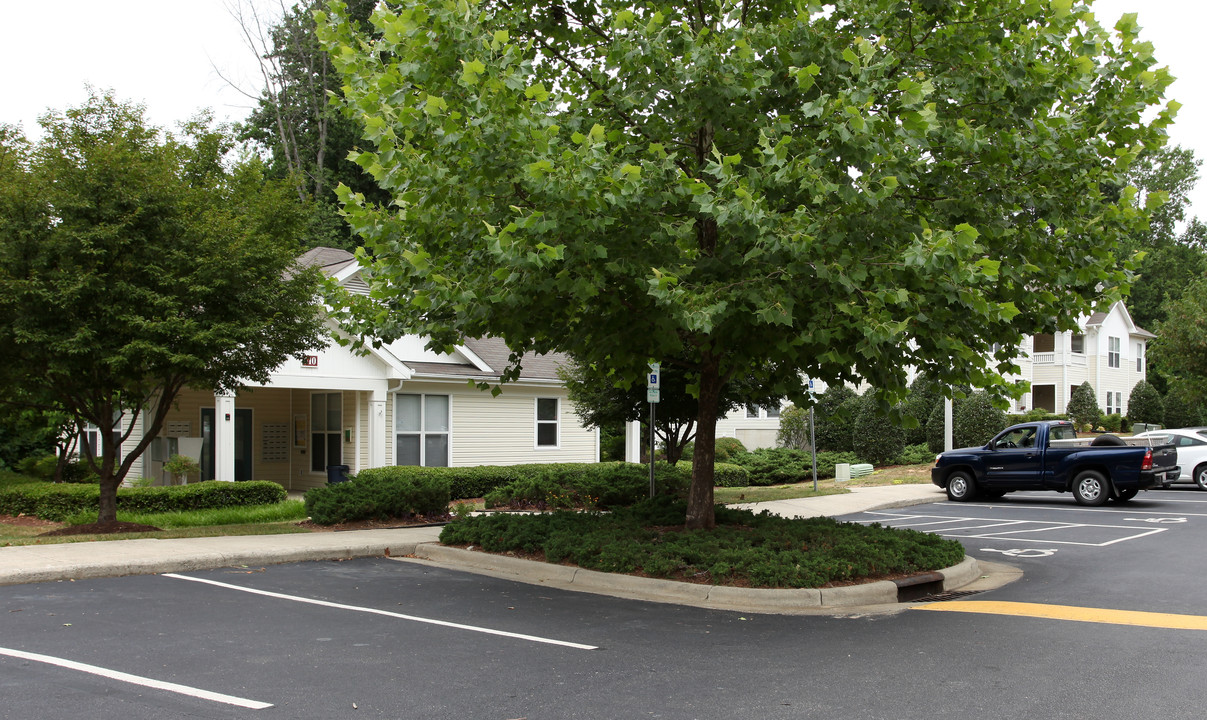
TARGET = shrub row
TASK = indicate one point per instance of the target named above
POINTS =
(758, 550)
(51, 501)
(784, 466)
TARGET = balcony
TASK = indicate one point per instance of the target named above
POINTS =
(1061, 358)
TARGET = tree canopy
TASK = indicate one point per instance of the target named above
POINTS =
(306, 138)
(135, 263)
(839, 192)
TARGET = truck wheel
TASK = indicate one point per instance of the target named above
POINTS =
(960, 486)
(1200, 476)
(1091, 488)
(1125, 495)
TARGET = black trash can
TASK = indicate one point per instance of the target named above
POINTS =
(337, 473)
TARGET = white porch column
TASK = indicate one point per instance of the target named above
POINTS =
(224, 438)
(377, 429)
(947, 404)
(632, 442)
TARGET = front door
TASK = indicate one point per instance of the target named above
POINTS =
(242, 444)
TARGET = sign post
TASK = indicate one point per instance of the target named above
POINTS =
(812, 435)
(653, 388)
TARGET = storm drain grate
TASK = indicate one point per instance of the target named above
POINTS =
(949, 595)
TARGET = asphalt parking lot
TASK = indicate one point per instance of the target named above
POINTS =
(1136, 555)
(387, 638)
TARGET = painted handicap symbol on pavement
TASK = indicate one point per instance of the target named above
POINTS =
(1023, 553)
(1159, 520)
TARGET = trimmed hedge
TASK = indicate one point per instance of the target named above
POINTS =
(58, 501)
(597, 485)
(380, 494)
(758, 550)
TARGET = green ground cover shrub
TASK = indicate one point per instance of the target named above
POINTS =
(760, 550)
(915, 455)
(58, 501)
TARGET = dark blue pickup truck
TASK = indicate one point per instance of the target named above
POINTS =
(1050, 456)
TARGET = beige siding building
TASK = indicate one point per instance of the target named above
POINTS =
(398, 404)
(1108, 350)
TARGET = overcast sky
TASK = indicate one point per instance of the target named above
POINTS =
(168, 55)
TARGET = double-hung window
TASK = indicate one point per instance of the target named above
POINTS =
(1112, 352)
(1139, 357)
(326, 430)
(421, 430)
(547, 423)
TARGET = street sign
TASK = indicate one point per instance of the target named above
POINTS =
(653, 394)
(653, 380)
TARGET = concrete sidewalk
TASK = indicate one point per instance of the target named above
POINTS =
(42, 563)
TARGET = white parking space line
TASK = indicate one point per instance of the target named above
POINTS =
(137, 680)
(385, 613)
(1128, 510)
(1022, 528)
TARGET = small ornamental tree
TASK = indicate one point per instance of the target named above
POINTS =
(875, 437)
(133, 264)
(1083, 406)
(834, 416)
(923, 396)
(794, 428)
(1144, 405)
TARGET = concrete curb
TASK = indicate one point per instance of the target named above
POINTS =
(49, 563)
(754, 600)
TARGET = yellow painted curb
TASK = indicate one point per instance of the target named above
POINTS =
(1075, 614)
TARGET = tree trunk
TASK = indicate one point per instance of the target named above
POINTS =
(109, 479)
(108, 500)
(700, 513)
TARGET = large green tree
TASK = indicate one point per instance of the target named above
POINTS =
(764, 186)
(1180, 347)
(133, 264)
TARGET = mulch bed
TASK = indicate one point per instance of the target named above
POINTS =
(107, 528)
(26, 521)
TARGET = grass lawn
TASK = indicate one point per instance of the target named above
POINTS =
(892, 475)
(278, 519)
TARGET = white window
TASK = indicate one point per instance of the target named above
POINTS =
(326, 430)
(752, 411)
(1139, 357)
(1077, 344)
(1115, 406)
(547, 424)
(421, 430)
(1112, 352)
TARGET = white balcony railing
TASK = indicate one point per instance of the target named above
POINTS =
(1064, 358)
